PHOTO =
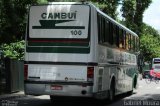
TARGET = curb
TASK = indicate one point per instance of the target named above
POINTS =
(12, 96)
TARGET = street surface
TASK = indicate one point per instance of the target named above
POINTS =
(145, 95)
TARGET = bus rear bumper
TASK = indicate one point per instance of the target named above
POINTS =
(61, 90)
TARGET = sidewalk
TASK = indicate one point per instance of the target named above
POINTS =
(21, 95)
(12, 95)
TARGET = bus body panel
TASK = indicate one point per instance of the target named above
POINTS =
(66, 89)
(57, 72)
(56, 57)
(121, 65)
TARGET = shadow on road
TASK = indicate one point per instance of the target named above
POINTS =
(86, 102)
(31, 101)
(121, 100)
(77, 102)
(71, 102)
(35, 101)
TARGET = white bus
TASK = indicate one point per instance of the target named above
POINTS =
(156, 64)
(74, 49)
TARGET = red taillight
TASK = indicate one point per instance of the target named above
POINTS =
(25, 71)
(90, 73)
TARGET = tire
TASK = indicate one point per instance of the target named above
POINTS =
(134, 84)
(156, 80)
(148, 80)
(112, 92)
(130, 92)
(51, 98)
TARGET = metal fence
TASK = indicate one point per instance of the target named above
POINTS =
(17, 78)
(12, 79)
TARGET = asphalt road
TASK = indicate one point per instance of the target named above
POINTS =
(145, 95)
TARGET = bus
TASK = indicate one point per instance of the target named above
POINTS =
(73, 49)
(155, 67)
(155, 63)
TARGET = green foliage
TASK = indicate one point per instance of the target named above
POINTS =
(141, 6)
(13, 15)
(42, 1)
(14, 50)
(108, 6)
(64, 0)
(12, 20)
(146, 29)
(150, 45)
(132, 11)
(128, 8)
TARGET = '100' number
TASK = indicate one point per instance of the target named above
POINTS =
(76, 32)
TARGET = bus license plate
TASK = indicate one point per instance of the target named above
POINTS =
(56, 87)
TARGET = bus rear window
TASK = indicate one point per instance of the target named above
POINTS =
(59, 21)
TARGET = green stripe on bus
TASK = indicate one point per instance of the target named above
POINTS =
(57, 50)
(57, 44)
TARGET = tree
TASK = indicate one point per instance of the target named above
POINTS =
(129, 9)
(146, 29)
(141, 6)
(150, 47)
(13, 19)
(133, 13)
(14, 50)
(149, 38)
(108, 6)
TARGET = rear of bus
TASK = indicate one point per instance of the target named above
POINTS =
(57, 51)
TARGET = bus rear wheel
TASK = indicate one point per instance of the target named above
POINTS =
(112, 92)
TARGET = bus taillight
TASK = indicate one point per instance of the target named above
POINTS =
(25, 71)
(90, 73)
